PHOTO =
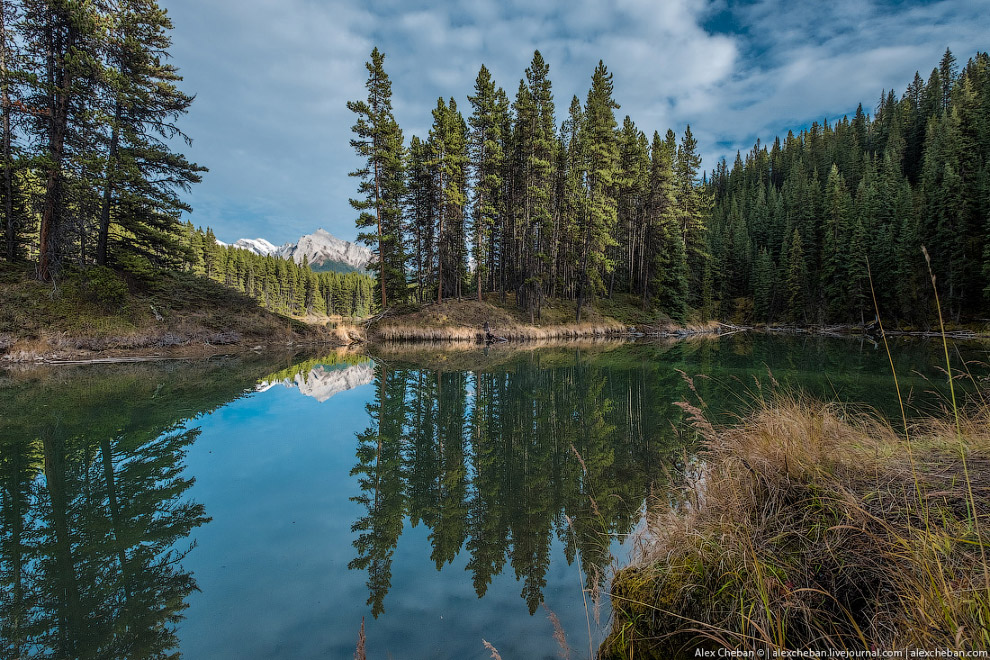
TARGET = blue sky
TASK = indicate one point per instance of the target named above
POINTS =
(271, 78)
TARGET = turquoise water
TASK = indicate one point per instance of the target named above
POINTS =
(261, 507)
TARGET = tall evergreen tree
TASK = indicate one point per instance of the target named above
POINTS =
(601, 167)
(63, 42)
(448, 163)
(693, 204)
(382, 180)
(487, 163)
(12, 222)
(141, 172)
(667, 259)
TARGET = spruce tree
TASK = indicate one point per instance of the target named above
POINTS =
(448, 162)
(141, 172)
(534, 141)
(836, 257)
(665, 244)
(797, 280)
(62, 43)
(693, 205)
(421, 213)
(762, 285)
(486, 164)
(601, 166)
(13, 220)
(382, 180)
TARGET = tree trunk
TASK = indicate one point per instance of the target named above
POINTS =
(381, 246)
(477, 251)
(58, 125)
(8, 159)
(68, 608)
(108, 190)
(440, 246)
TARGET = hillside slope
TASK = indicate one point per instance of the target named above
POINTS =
(101, 310)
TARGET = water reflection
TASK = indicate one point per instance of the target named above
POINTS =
(498, 461)
(95, 518)
(324, 377)
(506, 461)
(498, 451)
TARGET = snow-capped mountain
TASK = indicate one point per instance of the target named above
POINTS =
(256, 245)
(321, 383)
(321, 248)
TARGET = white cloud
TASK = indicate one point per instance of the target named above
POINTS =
(273, 76)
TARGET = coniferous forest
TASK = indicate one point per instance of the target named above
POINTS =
(507, 202)
(501, 199)
(90, 174)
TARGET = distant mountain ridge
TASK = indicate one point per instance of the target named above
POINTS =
(323, 250)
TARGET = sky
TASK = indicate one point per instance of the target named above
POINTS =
(272, 78)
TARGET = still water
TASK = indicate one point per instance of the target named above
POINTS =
(262, 506)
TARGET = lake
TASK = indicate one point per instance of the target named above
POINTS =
(261, 506)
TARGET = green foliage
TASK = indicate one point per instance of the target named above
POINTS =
(280, 285)
(378, 140)
(913, 175)
(600, 169)
(89, 113)
(104, 286)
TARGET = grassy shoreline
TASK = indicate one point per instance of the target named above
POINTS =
(464, 320)
(183, 315)
(814, 526)
(173, 314)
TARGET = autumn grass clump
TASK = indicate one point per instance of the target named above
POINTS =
(813, 526)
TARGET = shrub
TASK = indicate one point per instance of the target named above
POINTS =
(105, 287)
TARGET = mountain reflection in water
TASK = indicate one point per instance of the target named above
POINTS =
(95, 515)
(513, 472)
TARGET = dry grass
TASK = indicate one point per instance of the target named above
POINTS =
(463, 321)
(812, 526)
(494, 651)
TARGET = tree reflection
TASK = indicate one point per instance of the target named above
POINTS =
(95, 518)
(91, 544)
(497, 460)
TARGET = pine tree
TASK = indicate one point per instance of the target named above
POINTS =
(487, 163)
(141, 173)
(601, 166)
(762, 285)
(62, 42)
(692, 205)
(379, 142)
(422, 207)
(797, 279)
(835, 257)
(534, 141)
(665, 245)
(13, 220)
(448, 162)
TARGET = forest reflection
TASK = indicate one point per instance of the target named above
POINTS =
(500, 452)
(95, 518)
(498, 461)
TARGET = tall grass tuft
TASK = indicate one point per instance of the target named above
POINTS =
(558, 633)
(494, 651)
(804, 531)
(359, 653)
